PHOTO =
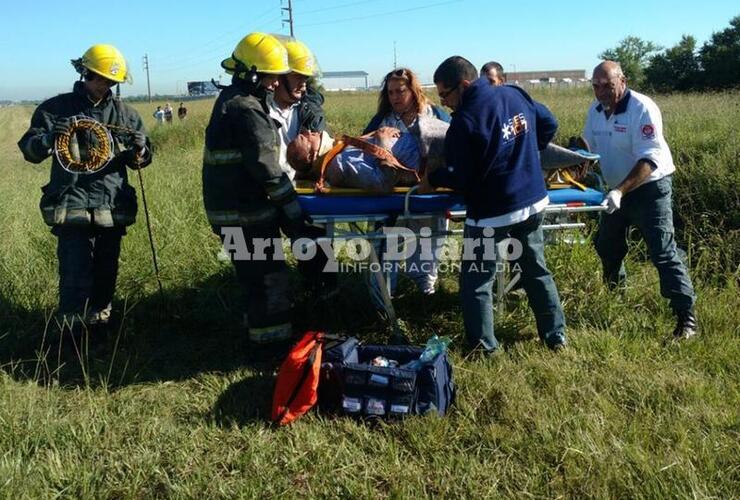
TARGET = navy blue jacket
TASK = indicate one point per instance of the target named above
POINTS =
(375, 121)
(491, 149)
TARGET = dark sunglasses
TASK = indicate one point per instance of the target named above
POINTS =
(445, 95)
(399, 73)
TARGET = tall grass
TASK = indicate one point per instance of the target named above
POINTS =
(175, 403)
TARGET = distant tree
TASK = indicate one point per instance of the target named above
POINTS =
(675, 69)
(633, 54)
(720, 57)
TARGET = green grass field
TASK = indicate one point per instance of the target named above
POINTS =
(176, 405)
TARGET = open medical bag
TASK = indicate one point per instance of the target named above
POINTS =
(339, 373)
(351, 384)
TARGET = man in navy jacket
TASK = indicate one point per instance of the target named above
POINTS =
(491, 150)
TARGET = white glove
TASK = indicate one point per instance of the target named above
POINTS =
(612, 201)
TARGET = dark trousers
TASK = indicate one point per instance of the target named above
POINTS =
(88, 267)
(265, 282)
(649, 208)
(477, 276)
(315, 279)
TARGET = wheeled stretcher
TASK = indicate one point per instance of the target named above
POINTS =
(351, 213)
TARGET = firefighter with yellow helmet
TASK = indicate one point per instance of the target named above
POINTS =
(247, 197)
(89, 213)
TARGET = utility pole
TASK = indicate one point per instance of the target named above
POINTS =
(395, 63)
(289, 9)
(146, 68)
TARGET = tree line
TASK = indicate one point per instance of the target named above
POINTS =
(716, 65)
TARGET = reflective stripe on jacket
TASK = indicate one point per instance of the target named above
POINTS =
(243, 183)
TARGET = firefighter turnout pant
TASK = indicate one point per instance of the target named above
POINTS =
(263, 276)
(88, 269)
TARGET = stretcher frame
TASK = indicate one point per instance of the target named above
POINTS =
(560, 212)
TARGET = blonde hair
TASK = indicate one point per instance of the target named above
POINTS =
(408, 77)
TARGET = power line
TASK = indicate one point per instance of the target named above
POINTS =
(369, 16)
(184, 63)
(199, 48)
(195, 60)
(333, 7)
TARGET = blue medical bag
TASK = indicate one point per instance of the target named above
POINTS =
(352, 385)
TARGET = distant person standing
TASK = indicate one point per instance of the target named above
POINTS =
(494, 72)
(626, 129)
(182, 112)
(89, 213)
(168, 113)
(492, 155)
(159, 114)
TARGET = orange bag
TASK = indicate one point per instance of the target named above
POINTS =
(296, 388)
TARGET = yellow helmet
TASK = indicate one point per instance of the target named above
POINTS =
(300, 58)
(258, 52)
(105, 60)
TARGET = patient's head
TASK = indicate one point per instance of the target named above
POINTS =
(303, 150)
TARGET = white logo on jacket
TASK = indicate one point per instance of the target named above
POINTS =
(514, 127)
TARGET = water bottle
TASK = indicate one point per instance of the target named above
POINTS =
(435, 346)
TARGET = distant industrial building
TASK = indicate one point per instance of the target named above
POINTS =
(358, 80)
(548, 77)
(344, 80)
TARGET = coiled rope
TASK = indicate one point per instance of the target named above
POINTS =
(99, 150)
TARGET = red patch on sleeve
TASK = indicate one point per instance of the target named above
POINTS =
(648, 131)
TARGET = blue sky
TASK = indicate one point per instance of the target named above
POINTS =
(186, 40)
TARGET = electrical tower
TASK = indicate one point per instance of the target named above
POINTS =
(289, 10)
(146, 68)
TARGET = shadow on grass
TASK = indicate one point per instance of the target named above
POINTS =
(187, 331)
(170, 337)
(198, 329)
(245, 402)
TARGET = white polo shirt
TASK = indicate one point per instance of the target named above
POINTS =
(633, 132)
(288, 120)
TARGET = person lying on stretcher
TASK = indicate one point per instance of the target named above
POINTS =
(379, 161)
(376, 162)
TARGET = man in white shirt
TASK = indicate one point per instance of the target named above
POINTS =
(285, 112)
(626, 129)
(295, 105)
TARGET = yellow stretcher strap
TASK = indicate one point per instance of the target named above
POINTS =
(570, 179)
(561, 179)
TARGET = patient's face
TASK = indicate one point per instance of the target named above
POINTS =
(302, 150)
(400, 95)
